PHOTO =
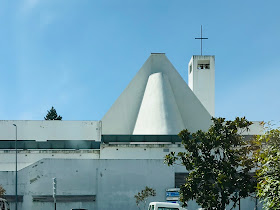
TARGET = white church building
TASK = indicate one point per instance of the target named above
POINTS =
(103, 164)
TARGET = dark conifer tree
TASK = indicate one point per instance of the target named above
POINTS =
(52, 115)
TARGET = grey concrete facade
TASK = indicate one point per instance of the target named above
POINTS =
(113, 182)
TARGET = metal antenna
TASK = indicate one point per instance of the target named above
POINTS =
(201, 39)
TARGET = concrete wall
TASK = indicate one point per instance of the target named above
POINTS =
(50, 130)
(28, 157)
(7, 181)
(114, 182)
(256, 128)
(138, 151)
(127, 150)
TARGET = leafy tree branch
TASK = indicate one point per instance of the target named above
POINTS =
(141, 197)
(267, 155)
(218, 164)
(2, 191)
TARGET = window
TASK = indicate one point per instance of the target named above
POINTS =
(203, 64)
(180, 178)
(191, 68)
(152, 207)
(167, 208)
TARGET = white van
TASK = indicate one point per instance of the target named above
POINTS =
(164, 206)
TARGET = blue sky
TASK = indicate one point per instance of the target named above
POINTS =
(78, 56)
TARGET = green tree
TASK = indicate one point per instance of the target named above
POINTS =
(218, 164)
(141, 197)
(52, 115)
(267, 155)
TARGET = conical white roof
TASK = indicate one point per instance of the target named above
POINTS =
(158, 111)
(156, 102)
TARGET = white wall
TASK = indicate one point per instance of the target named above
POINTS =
(114, 182)
(50, 130)
(202, 81)
(138, 151)
(255, 129)
(28, 157)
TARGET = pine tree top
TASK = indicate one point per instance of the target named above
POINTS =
(52, 115)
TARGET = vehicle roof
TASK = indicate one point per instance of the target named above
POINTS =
(165, 204)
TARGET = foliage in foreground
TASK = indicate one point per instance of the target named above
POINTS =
(218, 164)
(267, 155)
(141, 197)
(52, 115)
(2, 191)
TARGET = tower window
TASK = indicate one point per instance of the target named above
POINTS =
(203, 64)
(191, 68)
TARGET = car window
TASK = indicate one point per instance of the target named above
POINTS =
(152, 207)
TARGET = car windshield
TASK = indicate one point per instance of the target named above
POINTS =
(151, 207)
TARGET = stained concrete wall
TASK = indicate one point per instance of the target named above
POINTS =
(114, 182)
(28, 157)
(138, 151)
(42, 130)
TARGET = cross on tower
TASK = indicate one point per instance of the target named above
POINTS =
(201, 39)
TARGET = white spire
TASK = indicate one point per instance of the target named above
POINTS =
(158, 113)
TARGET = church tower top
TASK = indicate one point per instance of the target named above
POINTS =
(202, 80)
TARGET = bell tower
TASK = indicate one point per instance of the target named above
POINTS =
(201, 78)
